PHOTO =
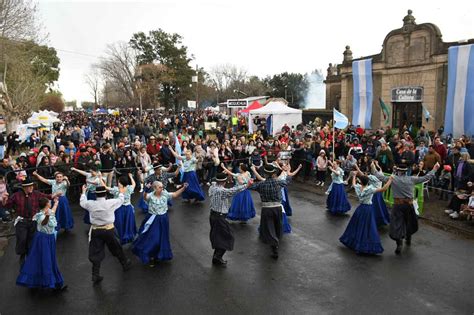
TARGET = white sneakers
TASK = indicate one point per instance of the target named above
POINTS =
(454, 215)
(448, 211)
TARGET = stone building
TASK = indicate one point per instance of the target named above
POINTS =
(408, 74)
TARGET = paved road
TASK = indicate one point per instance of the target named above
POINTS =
(314, 275)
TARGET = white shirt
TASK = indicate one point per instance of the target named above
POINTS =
(101, 211)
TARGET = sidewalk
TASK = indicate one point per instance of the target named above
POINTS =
(433, 213)
(5, 229)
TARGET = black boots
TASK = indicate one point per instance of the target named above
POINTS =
(408, 240)
(126, 264)
(274, 252)
(217, 258)
(96, 277)
(398, 250)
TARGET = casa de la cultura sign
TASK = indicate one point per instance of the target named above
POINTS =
(407, 94)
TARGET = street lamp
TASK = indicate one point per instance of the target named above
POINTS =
(286, 86)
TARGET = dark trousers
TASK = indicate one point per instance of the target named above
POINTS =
(24, 230)
(271, 225)
(321, 176)
(100, 238)
(403, 222)
(221, 236)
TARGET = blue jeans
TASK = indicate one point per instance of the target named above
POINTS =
(2, 213)
(2, 152)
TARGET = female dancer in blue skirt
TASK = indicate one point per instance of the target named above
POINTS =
(40, 269)
(124, 223)
(285, 201)
(60, 185)
(92, 181)
(382, 217)
(153, 241)
(337, 202)
(361, 234)
(241, 208)
(194, 190)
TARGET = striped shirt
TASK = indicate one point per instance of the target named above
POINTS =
(221, 197)
(270, 189)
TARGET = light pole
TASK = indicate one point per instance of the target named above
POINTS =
(286, 86)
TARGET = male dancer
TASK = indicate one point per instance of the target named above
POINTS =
(403, 219)
(221, 235)
(271, 218)
(102, 217)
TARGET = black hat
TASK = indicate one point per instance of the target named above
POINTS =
(100, 190)
(221, 177)
(83, 149)
(45, 146)
(402, 167)
(269, 169)
(157, 165)
(27, 182)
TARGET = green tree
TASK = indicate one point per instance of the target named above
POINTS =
(292, 86)
(159, 47)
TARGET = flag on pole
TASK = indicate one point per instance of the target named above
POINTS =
(340, 120)
(460, 99)
(385, 111)
(426, 113)
(177, 148)
(363, 93)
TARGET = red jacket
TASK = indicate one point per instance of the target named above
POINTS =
(153, 149)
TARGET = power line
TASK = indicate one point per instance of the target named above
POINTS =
(77, 53)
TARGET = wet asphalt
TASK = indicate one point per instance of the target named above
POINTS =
(315, 274)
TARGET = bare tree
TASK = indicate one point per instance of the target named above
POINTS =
(19, 20)
(119, 68)
(226, 76)
(93, 80)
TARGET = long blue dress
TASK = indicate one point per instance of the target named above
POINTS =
(337, 202)
(361, 234)
(242, 207)
(124, 223)
(40, 269)
(153, 236)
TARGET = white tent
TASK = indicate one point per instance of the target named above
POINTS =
(281, 115)
(45, 118)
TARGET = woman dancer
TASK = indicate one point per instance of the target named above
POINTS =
(361, 234)
(60, 185)
(124, 223)
(153, 241)
(193, 190)
(241, 208)
(40, 269)
(337, 202)
(285, 201)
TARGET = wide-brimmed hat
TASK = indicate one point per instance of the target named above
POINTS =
(27, 182)
(157, 166)
(269, 169)
(221, 177)
(45, 146)
(402, 167)
(100, 190)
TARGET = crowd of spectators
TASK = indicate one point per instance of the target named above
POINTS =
(124, 143)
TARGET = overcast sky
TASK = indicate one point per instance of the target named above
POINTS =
(264, 37)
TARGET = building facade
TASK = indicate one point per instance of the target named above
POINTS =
(409, 75)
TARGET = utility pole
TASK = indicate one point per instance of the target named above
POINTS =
(197, 87)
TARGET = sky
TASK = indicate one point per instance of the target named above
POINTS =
(263, 37)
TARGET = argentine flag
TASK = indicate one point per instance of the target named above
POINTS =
(340, 120)
(459, 118)
(177, 148)
(363, 93)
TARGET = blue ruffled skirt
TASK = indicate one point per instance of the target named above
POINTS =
(286, 202)
(154, 243)
(382, 217)
(125, 225)
(241, 208)
(64, 215)
(194, 190)
(337, 200)
(142, 204)
(40, 269)
(361, 233)
(286, 224)
(90, 196)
